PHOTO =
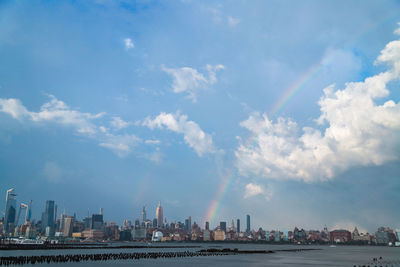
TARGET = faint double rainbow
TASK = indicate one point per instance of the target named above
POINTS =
(284, 100)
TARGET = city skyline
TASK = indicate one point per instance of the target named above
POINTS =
(285, 111)
(49, 219)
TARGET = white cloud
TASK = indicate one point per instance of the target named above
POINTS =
(252, 190)
(119, 123)
(152, 142)
(121, 145)
(52, 172)
(128, 43)
(359, 132)
(190, 81)
(233, 21)
(200, 141)
(54, 111)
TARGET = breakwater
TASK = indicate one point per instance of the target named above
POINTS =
(73, 258)
(21, 260)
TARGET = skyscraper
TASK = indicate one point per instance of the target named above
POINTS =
(144, 214)
(159, 215)
(97, 221)
(190, 223)
(68, 226)
(207, 226)
(248, 223)
(238, 225)
(48, 216)
(222, 226)
(186, 228)
(11, 208)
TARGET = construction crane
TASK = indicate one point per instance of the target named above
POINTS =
(22, 206)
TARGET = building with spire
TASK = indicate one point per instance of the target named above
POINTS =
(159, 215)
(144, 215)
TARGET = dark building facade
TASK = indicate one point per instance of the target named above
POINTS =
(340, 236)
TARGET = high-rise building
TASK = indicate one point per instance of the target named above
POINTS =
(238, 225)
(11, 208)
(154, 223)
(144, 214)
(207, 226)
(222, 226)
(97, 222)
(29, 213)
(68, 226)
(159, 215)
(137, 223)
(248, 223)
(48, 216)
(186, 228)
(190, 223)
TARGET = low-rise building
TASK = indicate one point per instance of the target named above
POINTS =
(340, 236)
(219, 235)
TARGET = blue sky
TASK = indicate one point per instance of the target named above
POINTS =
(120, 104)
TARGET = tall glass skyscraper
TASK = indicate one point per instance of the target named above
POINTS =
(238, 225)
(11, 209)
(48, 216)
(248, 223)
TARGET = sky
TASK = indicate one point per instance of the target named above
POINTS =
(284, 110)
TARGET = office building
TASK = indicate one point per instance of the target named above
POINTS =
(248, 223)
(68, 226)
(144, 215)
(186, 228)
(159, 215)
(238, 225)
(11, 209)
(48, 216)
(207, 225)
(222, 226)
(97, 222)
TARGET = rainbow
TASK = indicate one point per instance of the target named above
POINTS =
(315, 69)
(299, 84)
(222, 191)
(289, 94)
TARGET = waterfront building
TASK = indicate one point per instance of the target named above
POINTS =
(340, 236)
(48, 217)
(238, 225)
(190, 223)
(92, 234)
(11, 209)
(207, 225)
(139, 234)
(277, 237)
(219, 235)
(248, 223)
(206, 235)
(159, 215)
(285, 235)
(157, 236)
